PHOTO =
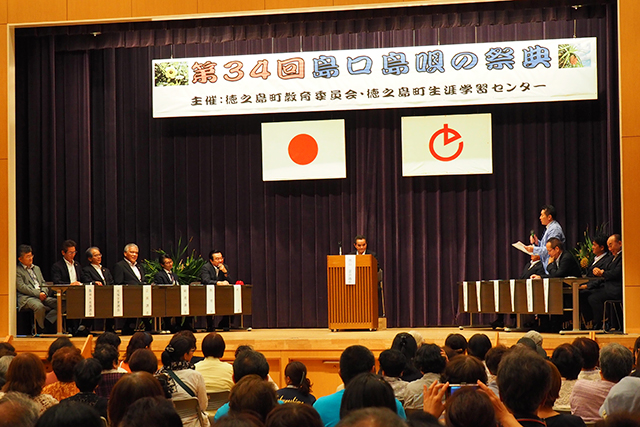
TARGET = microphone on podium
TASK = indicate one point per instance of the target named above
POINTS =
(339, 248)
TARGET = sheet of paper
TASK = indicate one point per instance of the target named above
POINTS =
(117, 301)
(211, 299)
(184, 300)
(545, 286)
(496, 294)
(146, 300)
(521, 247)
(512, 288)
(478, 297)
(530, 295)
(89, 301)
(237, 299)
(349, 269)
(465, 296)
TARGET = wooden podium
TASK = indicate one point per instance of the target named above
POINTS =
(353, 306)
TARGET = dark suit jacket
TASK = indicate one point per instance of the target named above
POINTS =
(528, 270)
(565, 266)
(602, 263)
(60, 274)
(124, 275)
(613, 277)
(209, 275)
(91, 275)
(162, 278)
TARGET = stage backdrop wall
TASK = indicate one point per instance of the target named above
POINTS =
(94, 166)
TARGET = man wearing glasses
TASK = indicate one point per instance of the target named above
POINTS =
(67, 270)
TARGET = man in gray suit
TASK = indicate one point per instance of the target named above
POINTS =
(32, 295)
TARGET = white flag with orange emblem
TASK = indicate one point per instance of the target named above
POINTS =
(312, 149)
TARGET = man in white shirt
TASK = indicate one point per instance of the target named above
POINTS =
(67, 270)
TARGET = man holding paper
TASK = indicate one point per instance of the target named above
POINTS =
(553, 229)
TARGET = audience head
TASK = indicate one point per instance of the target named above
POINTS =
(372, 417)
(189, 335)
(70, 414)
(250, 362)
(6, 349)
(464, 369)
(153, 411)
(18, 410)
(5, 361)
(143, 359)
(354, 360)
(422, 419)
(554, 386)
(241, 348)
(469, 408)
(367, 390)
(523, 380)
(392, 363)
(493, 358)
(25, 375)
(253, 394)
(457, 343)
(418, 337)
(478, 346)
(243, 419)
(213, 345)
(109, 338)
(568, 360)
(293, 415)
(57, 345)
(527, 343)
(429, 358)
(87, 374)
(107, 355)
(535, 336)
(406, 344)
(296, 375)
(179, 349)
(616, 362)
(590, 351)
(137, 341)
(636, 347)
(64, 362)
(127, 390)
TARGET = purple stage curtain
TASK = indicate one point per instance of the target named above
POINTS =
(94, 166)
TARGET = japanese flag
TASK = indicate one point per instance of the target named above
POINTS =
(447, 145)
(303, 150)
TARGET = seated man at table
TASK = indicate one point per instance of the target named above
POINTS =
(130, 272)
(166, 276)
(98, 274)
(31, 292)
(561, 262)
(67, 270)
(609, 285)
(216, 272)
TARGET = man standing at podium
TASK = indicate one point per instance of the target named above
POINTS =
(360, 243)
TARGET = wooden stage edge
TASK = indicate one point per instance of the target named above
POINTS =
(319, 349)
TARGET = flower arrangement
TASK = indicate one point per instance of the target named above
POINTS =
(187, 269)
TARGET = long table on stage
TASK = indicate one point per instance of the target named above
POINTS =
(165, 301)
(521, 296)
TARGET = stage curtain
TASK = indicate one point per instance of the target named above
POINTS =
(94, 166)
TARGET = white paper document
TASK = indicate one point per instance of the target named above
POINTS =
(349, 269)
(146, 300)
(117, 301)
(211, 299)
(184, 300)
(521, 247)
(89, 301)
(237, 299)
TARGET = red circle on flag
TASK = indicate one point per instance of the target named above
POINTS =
(303, 149)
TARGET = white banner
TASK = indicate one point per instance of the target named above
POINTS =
(237, 299)
(413, 76)
(89, 300)
(146, 300)
(465, 296)
(478, 294)
(211, 299)
(117, 301)
(184, 300)
(496, 294)
(350, 269)
(530, 295)
(442, 145)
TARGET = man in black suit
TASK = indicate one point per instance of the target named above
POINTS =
(130, 272)
(602, 257)
(561, 262)
(95, 272)
(360, 243)
(609, 285)
(166, 276)
(216, 272)
(67, 270)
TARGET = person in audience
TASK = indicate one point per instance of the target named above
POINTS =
(536, 337)
(392, 363)
(5, 361)
(422, 419)
(70, 414)
(569, 362)
(527, 343)
(372, 417)
(431, 361)
(26, 375)
(298, 389)
(243, 419)
(145, 360)
(293, 415)
(153, 411)
(32, 295)
(127, 391)
(406, 344)
(218, 375)
(590, 351)
(87, 375)
(354, 360)
(616, 362)
(464, 369)
(478, 346)
(457, 343)
(184, 381)
(18, 410)
(188, 333)
(609, 287)
(64, 363)
(524, 380)
(623, 398)
(7, 349)
(247, 362)
(107, 355)
(636, 354)
(469, 408)
(138, 340)
(57, 344)
(367, 390)
(418, 337)
(492, 360)
(546, 411)
(254, 395)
